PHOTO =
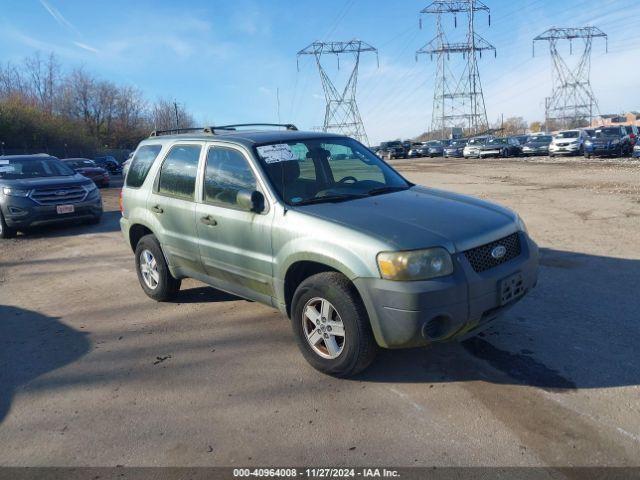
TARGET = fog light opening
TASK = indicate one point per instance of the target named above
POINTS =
(438, 328)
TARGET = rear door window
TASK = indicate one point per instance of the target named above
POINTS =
(141, 164)
(179, 171)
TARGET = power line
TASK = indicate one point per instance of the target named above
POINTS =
(341, 111)
(572, 102)
(457, 100)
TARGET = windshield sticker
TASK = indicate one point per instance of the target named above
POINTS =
(277, 153)
(4, 162)
(7, 168)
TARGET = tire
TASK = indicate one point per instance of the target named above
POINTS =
(356, 349)
(162, 286)
(6, 231)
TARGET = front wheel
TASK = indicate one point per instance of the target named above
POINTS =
(6, 231)
(153, 272)
(331, 325)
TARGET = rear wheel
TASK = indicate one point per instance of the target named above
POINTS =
(6, 231)
(331, 325)
(153, 273)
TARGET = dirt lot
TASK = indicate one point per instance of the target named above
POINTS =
(92, 372)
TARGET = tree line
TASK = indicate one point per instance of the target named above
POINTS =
(45, 109)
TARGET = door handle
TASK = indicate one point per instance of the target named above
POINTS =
(157, 209)
(209, 220)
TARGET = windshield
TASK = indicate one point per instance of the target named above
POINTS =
(477, 141)
(326, 169)
(25, 167)
(541, 139)
(458, 143)
(569, 134)
(608, 132)
(497, 141)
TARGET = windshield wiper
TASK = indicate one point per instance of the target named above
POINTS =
(387, 189)
(330, 198)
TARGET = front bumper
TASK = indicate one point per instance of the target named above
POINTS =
(602, 149)
(453, 153)
(564, 149)
(490, 153)
(413, 314)
(22, 213)
(535, 151)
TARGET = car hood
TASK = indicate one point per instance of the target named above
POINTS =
(537, 144)
(421, 217)
(29, 183)
(493, 146)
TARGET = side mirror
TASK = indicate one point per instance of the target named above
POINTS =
(252, 201)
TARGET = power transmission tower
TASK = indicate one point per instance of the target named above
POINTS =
(572, 102)
(457, 98)
(341, 112)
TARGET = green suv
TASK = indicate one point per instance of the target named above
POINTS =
(319, 227)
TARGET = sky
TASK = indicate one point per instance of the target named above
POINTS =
(235, 61)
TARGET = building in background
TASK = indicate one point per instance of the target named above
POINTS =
(630, 118)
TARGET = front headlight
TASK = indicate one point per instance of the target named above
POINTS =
(90, 187)
(415, 264)
(588, 142)
(16, 192)
(521, 225)
(615, 141)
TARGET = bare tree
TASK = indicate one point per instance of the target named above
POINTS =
(44, 79)
(166, 114)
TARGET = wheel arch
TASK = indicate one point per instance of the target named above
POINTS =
(300, 270)
(136, 232)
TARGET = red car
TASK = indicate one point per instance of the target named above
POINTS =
(89, 169)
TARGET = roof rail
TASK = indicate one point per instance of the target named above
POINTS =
(288, 126)
(212, 130)
(178, 131)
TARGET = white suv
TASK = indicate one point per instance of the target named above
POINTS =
(568, 142)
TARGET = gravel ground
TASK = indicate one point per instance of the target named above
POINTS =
(94, 373)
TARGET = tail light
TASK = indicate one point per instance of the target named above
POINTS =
(121, 203)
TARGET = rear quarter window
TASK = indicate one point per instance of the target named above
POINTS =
(141, 164)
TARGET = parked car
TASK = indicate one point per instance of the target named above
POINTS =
(472, 149)
(567, 142)
(435, 148)
(608, 142)
(455, 148)
(89, 169)
(317, 226)
(636, 151)
(418, 150)
(40, 189)
(537, 145)
(110, 164)
(500, 147)
(391, 150)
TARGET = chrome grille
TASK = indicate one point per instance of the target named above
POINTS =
(59, 195)
(480, 257)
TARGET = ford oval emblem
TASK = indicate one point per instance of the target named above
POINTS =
(60, 193)
(499, 252)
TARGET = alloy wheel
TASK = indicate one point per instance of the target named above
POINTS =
(149, 269)
(323, 328)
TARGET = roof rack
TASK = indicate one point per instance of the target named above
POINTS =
(212, 130)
